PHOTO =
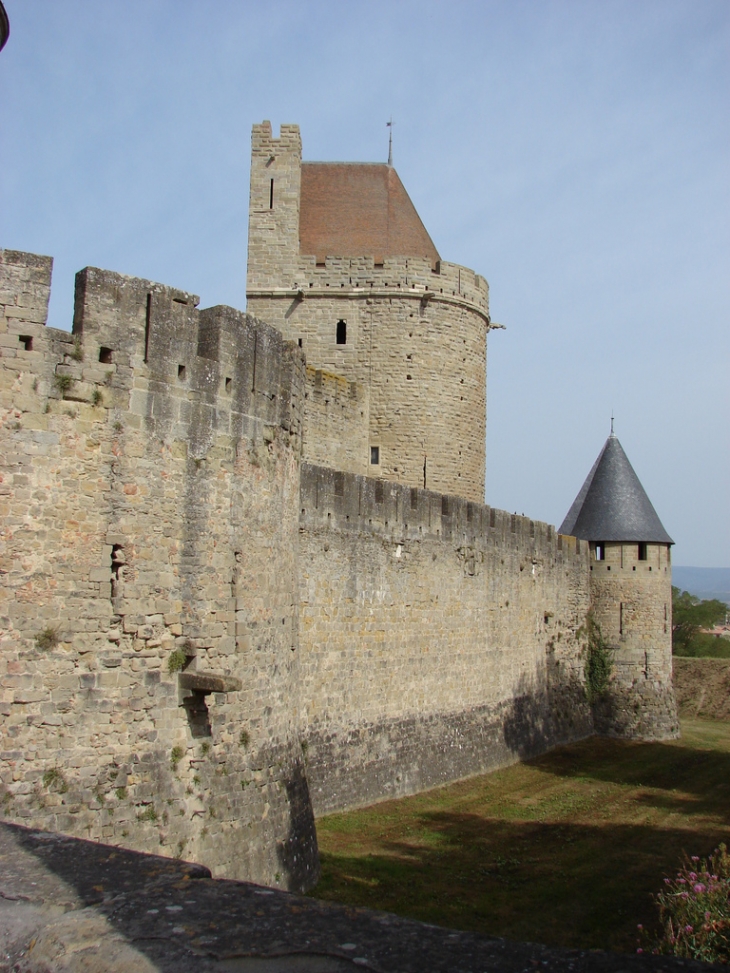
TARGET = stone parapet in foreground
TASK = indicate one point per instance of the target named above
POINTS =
(69, 906)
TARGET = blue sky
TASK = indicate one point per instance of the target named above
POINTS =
(577, 154)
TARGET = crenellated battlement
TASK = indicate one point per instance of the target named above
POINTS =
(144, 349)
(351, 502)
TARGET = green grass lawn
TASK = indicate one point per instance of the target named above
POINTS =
(565, 850)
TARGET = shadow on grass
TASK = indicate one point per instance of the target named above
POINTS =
(570, 862)
(563, 885)
(695, 781)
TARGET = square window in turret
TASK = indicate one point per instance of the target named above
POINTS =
(642, 551)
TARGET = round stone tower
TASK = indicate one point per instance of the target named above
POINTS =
(631, 589)
(340, 262)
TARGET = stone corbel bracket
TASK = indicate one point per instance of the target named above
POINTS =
(207, 682)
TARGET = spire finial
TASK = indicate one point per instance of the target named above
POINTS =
(612, 422)
(390, 140)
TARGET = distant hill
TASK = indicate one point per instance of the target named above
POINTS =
(703, 582)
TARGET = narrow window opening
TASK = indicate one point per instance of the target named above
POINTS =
(271, 195)
(424, 471)
(105, 356)
(374, 455)
(148, 316)
(621, 618)
(600, 551)
(117, 567)
(300, 342)
(341, 332)
(253, 367)
(229, 384)
(181, 372)
(642, 551)
(198, 715)
(26, 341)
(666, 619)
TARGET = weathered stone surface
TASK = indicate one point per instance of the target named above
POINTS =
(438, 638)
(126, 532)
(632, 603)
(208, 682)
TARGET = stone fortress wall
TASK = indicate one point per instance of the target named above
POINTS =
(204, 638)
(415, 333)
(149, 497)
(215, 623)
(438, 638)
(631, 592)
(335, 422)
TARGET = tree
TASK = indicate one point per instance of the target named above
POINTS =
(689, 616)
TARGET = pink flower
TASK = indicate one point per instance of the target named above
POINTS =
(694, 858)
(688, 929)
(693, 876)
(699, 887)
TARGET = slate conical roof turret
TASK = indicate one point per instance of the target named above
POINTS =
(612, 504)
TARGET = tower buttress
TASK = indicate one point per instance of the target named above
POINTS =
(273, 220)
(340, 262)
(631, 594)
